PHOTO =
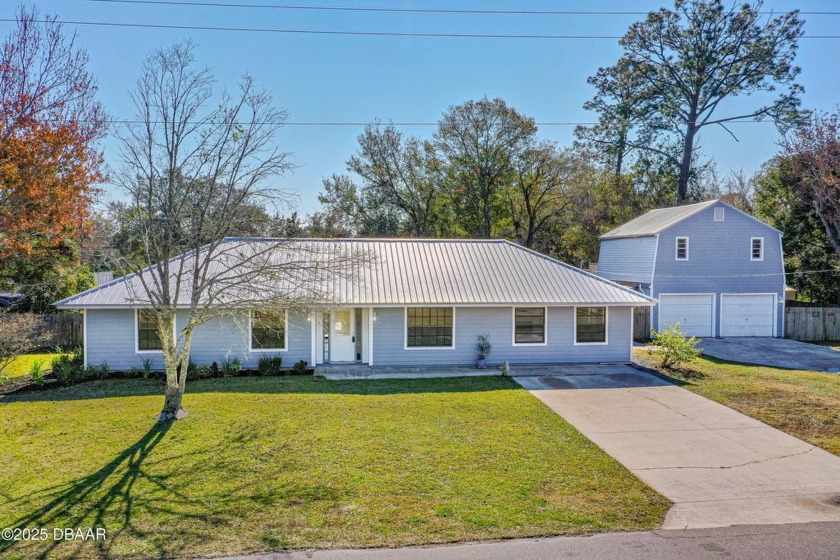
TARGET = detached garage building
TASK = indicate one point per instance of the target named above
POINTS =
(715, 270)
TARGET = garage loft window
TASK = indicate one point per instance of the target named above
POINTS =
(682, 248)
(757, 249)
(529, 325)
(591, 325)
(268, 330)
(429, 327)
(147, 333)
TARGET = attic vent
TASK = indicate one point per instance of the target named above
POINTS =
(719, 213)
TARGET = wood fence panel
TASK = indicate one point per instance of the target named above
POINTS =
(64, 329)
(641, 323)
(812, 324)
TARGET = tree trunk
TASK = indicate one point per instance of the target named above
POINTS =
(172, 403)
(685, 164)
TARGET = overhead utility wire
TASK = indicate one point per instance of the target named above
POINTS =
(348, 33)
(354, 123)
(399, 10)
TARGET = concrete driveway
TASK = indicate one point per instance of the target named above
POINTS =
(718, 466)
(776, 352)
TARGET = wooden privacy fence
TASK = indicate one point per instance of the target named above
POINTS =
(63, 329)
(641, 323)
(815, 324)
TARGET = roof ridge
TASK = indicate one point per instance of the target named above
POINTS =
(379, 239)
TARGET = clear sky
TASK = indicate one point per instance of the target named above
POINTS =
(334, 78)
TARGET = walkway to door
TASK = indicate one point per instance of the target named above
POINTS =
(718, 466)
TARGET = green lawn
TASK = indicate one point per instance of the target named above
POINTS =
(276, 463)
(805, 404)
(21, 365)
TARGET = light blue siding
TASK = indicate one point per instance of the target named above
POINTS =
(629, 259)
(719, 260)
(389, 339)
(111, 338)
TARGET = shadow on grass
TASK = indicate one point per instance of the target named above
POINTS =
(687, 380)
(116, 388)
(95, 500)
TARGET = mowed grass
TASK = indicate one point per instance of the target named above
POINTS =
(22, 365)
(298, 463)
(805, 404)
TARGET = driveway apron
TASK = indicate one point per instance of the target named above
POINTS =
(718, 466)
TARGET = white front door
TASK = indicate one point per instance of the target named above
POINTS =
(343, 335)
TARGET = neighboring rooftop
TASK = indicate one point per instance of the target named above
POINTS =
(655, 221)
(406, 272)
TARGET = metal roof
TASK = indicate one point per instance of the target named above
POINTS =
(655, 221)
(392, 272)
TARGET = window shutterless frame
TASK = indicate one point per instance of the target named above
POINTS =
(681, 244)
(137, 349)
(756, 248)
(545, 327)
(285, 334)
(405, 328)
(606, 325)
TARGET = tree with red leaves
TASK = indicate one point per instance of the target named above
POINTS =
(50, 127)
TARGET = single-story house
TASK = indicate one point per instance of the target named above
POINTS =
(413, 302)
(714, 269)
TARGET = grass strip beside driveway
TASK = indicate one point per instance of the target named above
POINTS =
(278, 463)
(805, 404)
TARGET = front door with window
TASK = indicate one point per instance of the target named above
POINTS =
(343, 335)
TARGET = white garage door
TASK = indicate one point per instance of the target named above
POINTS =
(747, 314)
(693, 313)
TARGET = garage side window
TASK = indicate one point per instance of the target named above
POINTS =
(147, 334)
(529, 325)
(429, 327)
(682, 248)
(268, 330)
(590, 325)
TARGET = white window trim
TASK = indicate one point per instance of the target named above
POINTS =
(752, 258)
(606, 327)
(137, 334)
(677, 249)
(722, 213)
(285, 335)
(513, 325)
(405, 330)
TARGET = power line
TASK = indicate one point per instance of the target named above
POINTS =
(353, 123)
(345, 33)
(202, 4)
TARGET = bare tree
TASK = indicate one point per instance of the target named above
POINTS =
(193, 168)
(811, 162)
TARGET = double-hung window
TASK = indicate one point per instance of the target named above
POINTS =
(147, 333)
(682, 248)
(757, 249)
(590, 325)
(268, 330)
(529, 325)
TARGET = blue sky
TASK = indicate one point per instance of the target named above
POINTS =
(406, 79)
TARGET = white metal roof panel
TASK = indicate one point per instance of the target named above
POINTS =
(395, 272)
